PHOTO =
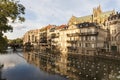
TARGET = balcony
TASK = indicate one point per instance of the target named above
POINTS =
(73, 34)
(73, 41)
(88, 34)
(43, 41)
(71, 49)
(54, 36)
(82, 34)
(54, 41)
(52, 30)
(43, 37)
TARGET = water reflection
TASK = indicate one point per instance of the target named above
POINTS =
(76, 67)
(1, 66)
(17, 68)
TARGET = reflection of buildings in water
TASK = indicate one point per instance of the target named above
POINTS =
(43, 61)
(61, 64)
(87, 68)
(48, 62)
(76, 67)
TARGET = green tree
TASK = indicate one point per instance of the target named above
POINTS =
(3, 43)
(19, 41)
(16, 41)
(9, 10)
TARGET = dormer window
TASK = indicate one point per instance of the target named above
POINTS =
(80, 25)
(86, 24)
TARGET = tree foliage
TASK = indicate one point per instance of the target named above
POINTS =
(16, 41)
(10, 10)
(3, 43)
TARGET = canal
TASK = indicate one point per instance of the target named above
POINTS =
(46, 66)
(16, 67)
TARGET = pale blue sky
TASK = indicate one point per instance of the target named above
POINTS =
(40, 13)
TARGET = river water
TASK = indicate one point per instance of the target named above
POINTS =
(34, 66)
(16, 67)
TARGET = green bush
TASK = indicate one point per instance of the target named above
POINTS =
(3, 44)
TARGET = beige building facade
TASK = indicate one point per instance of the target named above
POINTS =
(114, 31)
(31, 36)
(86, 39)
(87, 35)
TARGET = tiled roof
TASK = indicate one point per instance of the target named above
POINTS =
(49, 26)
(77, 20)
(61, 27)
(107, 13)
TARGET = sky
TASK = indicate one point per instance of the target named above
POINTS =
(40, 13)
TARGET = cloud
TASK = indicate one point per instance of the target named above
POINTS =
(20, 28)
(43, 12)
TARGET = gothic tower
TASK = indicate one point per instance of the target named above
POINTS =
(97, 11)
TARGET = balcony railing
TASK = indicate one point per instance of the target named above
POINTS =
(54, 41)
(82, 34)
(43, 37)
(88, 33)
(43, 41)
(71, 48)
(54, 35)
(73, 41)
(73, 34)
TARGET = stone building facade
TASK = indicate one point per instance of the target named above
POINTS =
(114, 31)
(86, 38)
(31, 36)
(87, 35)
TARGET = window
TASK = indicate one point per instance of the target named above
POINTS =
(83, 45)
(114, 31)
(32, 37)
(84, 38)
(86, 24)
(29, 38)
(86, 45)
(85, 30)
(112, 38)
(93, 45)
(80, 45)
(88, 37)
(93, 29)
(80, 30)
(92, 38)
(80, 38)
